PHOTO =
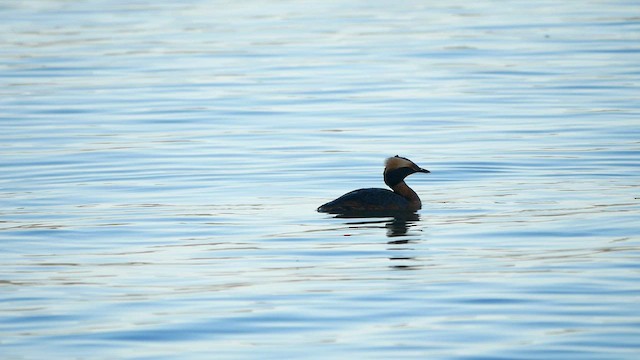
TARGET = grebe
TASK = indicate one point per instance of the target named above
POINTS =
(402, 198)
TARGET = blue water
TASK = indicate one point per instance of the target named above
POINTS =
(162, 163)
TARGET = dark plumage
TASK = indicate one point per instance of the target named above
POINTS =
(371, 199)
(401, 199)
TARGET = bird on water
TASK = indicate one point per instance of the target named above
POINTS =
(401, 199)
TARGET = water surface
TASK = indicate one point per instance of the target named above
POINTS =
(162, 164)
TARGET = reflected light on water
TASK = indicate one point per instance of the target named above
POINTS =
(162, 165)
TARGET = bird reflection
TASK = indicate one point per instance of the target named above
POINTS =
(397, 224)
(397, 227)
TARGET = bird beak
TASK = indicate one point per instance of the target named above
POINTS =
(424, 170)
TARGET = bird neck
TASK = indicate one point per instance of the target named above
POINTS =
(406, 192)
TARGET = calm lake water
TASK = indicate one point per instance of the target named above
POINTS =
(162, 163)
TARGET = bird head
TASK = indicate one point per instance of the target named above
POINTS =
(397, 168)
